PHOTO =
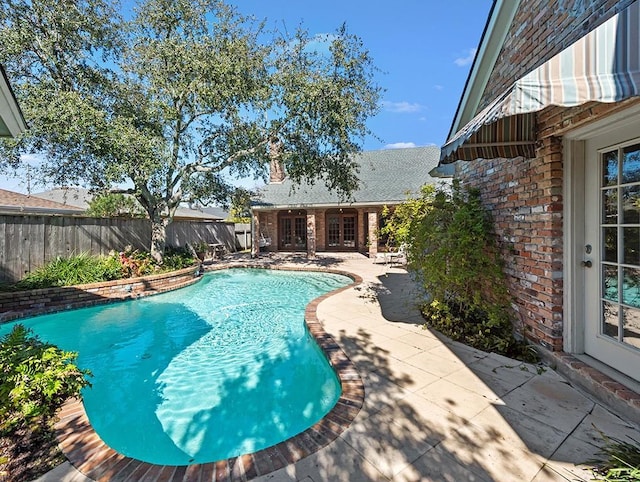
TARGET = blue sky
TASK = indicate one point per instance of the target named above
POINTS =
(424, 49)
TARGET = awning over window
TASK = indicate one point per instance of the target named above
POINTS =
(603, 66)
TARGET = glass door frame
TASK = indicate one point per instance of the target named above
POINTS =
(294, 238)
(344, 238)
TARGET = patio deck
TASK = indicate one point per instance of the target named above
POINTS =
(437, 410)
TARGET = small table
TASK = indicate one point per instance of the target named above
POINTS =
(217, 250)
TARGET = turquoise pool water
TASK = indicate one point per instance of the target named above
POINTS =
(218, 369)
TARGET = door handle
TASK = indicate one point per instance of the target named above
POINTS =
(587, 263)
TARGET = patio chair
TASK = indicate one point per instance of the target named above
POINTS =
(392, 257)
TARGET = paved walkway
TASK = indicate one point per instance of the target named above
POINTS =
(436, 410)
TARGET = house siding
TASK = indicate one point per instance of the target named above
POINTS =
(542, 29)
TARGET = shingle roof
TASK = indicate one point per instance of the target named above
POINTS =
(386, 176)
(71, 196)
(15, 201)
(80, 198)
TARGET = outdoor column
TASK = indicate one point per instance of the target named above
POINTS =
(311, 235)
(255, 235)
(373, 233)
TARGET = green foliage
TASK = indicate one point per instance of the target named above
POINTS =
(74, 270)
(114, 204)
(175, 259)
(617, 460)
(179, 94)
(36, 378)
(240, 211)
(453, 252)
(84, 268)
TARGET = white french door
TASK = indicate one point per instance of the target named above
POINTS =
(611, 253)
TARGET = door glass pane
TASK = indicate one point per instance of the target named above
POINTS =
(610, 320)
(349, 229)
(631, 244)
(300, 232)
(333, 231)
(631, 325)
(631, 164)
(610, 248)
(610, 168)
(631, 204)
(285, 232)
(610, 282)
(610, 206)
(631, 287)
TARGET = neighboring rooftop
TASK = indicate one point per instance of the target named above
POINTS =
(70, 196)
(386, 176)
(16, 202)
(79, 198)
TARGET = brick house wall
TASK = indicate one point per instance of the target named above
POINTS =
(542, 29)
(525, 196)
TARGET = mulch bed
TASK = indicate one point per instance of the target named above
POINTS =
(26, 454)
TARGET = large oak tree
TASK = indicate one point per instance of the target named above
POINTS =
(181, 96)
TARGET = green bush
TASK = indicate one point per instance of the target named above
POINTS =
(74, 270)
(617, 461)
(84, 268)
(175, 259)
(36, 378)
(452, 250)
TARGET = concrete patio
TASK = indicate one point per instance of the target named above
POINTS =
(436, 410)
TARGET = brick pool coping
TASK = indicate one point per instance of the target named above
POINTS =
(90, 455)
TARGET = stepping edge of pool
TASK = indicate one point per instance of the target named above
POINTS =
(90, 455)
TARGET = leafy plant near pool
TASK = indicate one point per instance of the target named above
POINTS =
(84, 268)
(617, 461)
(453, 252)
(36, 378)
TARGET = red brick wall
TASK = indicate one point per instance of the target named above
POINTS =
(542, 29)
(27, 303)
(524, 197)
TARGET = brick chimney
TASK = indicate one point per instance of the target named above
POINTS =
(276, 169)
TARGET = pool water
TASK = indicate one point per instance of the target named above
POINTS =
(218, 369)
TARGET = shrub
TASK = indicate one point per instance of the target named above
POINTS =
(452, 251)
(74, 270)
(175, 259)
(35, 378)
(618, 460)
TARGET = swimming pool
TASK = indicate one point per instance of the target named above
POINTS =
(219, 369)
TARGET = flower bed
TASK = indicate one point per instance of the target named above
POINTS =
(19, 304)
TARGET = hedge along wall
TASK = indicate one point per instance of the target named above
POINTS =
(29, 241)
(48, 300)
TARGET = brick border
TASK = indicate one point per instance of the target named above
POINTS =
(613, 394)
(90, 455)
(20, 304)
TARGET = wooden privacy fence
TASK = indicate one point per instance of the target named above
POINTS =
(29, 241)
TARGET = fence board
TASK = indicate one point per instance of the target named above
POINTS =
(29, 241)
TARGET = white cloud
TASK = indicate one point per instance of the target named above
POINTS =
(438, 87)
(400, 145)
(462, 61)
(403, 107)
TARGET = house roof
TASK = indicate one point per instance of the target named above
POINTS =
(386, 176)
(69, 196)
(12, 122)
(16, 202)
(79, 198)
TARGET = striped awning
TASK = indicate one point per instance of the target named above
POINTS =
(603, 66)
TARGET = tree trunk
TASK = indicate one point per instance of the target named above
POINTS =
(158, 237)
